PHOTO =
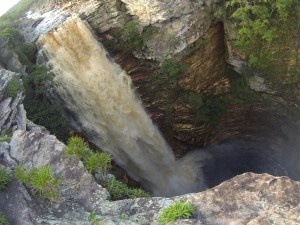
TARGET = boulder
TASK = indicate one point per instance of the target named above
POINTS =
(36, 149)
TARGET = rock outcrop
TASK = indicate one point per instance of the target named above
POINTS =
(12, 113)
(246, 199)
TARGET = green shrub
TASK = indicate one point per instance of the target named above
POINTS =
(40, 180)
(12, 88)
(119, 190)
(78, 147)
(193, 98)
(148, 33)
(240, 90)
(13, 35)
(3, 220)
(4, 178)
(173, 70)
(6, 135)
(39, 109)
(178, 210)
(137, 193)
(44, 113)
(130, 30)
(263, 27)
(206, 108)
(100, 162)
(213, 109)
(97, 162)
(5, 138)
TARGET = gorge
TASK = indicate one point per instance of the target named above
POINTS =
(100, 95)
(164, 88)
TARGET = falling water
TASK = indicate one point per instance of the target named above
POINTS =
(100, 93)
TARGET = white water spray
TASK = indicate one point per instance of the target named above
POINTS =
(100, 94)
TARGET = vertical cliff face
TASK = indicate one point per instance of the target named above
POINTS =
(180, 31)
(206, 72)
(99, 93)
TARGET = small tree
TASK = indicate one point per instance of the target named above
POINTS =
(263, 26)
(12, 89)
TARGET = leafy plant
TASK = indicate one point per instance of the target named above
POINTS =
(77, 146)
(240, 90)
(173, 69)
(39, 109)
(12, 88)
(4, 178)
(3, 220)
(131, 37)
(263, 27)
(119, 190)
(40, 180)
(6, 135)
(5, 138)
(206, 108)
(137, 193)
(97, 162)
(148, 33)
(178, 210)
(193, 98)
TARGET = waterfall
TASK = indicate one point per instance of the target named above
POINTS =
(100, 94)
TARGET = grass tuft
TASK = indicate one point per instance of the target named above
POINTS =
(40, 180)
(178, 210)
(78, 147)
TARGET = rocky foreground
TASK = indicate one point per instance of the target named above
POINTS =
(245, 199)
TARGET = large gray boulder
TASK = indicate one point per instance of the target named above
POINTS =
(36, 149)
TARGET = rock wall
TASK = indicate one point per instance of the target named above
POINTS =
(185, 32)
(12, 113)
(206, 73)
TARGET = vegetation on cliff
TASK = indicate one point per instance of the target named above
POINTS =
(3, 220)
(40, 180)
(38, 106)
(266, 34)
(98, 164)
(262, 26)
(177, 210)
(4, 178)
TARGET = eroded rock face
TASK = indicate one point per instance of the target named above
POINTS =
(150, 12)
(8, 58)
(12, 113)
(251, 199)
(246, 199)
(35, 149)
